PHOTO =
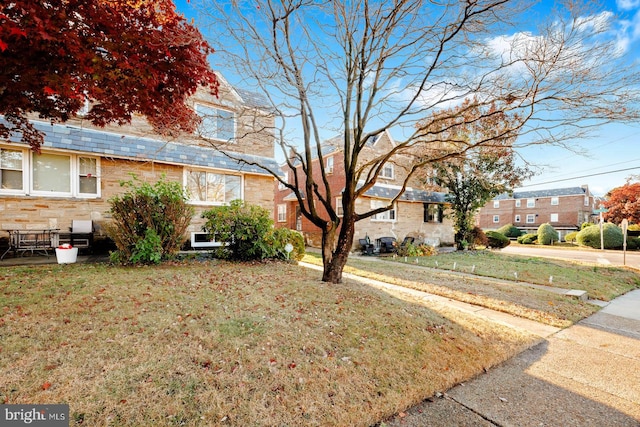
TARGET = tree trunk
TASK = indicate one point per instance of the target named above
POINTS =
(335, 254)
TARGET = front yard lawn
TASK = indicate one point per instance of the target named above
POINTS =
(207, 344)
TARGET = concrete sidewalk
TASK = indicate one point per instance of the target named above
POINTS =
(585, 375)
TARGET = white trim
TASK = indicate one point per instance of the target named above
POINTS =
(185, 184)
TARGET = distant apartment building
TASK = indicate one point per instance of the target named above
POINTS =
(564, 208)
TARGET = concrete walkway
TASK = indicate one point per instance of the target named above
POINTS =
(585, 375)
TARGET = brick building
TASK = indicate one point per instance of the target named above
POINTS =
(564, 208)
(80, 167)
(418, 212)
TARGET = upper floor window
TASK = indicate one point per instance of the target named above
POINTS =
(389, 215)
(496, 219)
(517, 203)
(329, 165)
(554, 201)
(281, 186)
(282, 213)
(339, 210)
(216, 123)
(387, 171)
(48, 174)
(553, 217)
(586, 201)
(517, 219)
(531, 203)
(214, 188)
(531, 218)
(496, 203)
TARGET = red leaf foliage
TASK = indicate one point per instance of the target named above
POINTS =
(623, 203)
(125, 57)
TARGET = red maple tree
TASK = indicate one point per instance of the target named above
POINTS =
(125, 56)
(623, 202)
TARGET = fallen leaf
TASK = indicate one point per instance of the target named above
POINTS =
(46, 385)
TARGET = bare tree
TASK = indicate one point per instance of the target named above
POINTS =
(357, 68)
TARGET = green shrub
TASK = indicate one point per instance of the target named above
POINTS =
(547, 234)
(586, 224)
(243, 228)
(509, 230)
(571, 237)
(278, 238)
(149, 221)
(497, 240)
(528, 239)
(633, 243)
(590, 236)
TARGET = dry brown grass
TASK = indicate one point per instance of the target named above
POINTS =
(228, 344)
(529, 303)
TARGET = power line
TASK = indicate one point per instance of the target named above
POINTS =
(579, 177)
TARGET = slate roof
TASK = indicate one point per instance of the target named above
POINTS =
(408, 196)
(555, 192)
(137, 148)
(253, 99)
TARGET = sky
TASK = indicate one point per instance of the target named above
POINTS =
(608, 158)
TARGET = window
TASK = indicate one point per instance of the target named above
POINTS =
(387, 171)
(11, 164)
(554, 201)
(339, 210)
(329, 165)
(531, 218)
(553, 217)
(517, 219)
(586, 201)
(389, 215)
(433, 212)
(281, 186)
(48, 174)
(518, 203)
(282, 213)
(214, 188)
(496, 219)
(496, 203)
(531, 203)
(216, 123)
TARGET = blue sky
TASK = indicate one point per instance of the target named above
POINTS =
(611, 155)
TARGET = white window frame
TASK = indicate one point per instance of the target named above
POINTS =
(496, 204)
(208, 112)
(496, 219)
(329, 165)
(555, 201)
(518, 202)
(531, 203)
(586, 201)
(532, 217)
(28, 160)
(387, 172)
(193, 201)
(386, 216)
(339, 210)
(23, 169)
(553, 217)
(517, 219)
(282, 213)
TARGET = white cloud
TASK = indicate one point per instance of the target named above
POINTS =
(628, 4)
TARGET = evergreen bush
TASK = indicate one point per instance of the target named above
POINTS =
(278, 238)
(528, 239)
(510, 230)
(547, 234)
(571, 237)
(497, 240)
(590, 236)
